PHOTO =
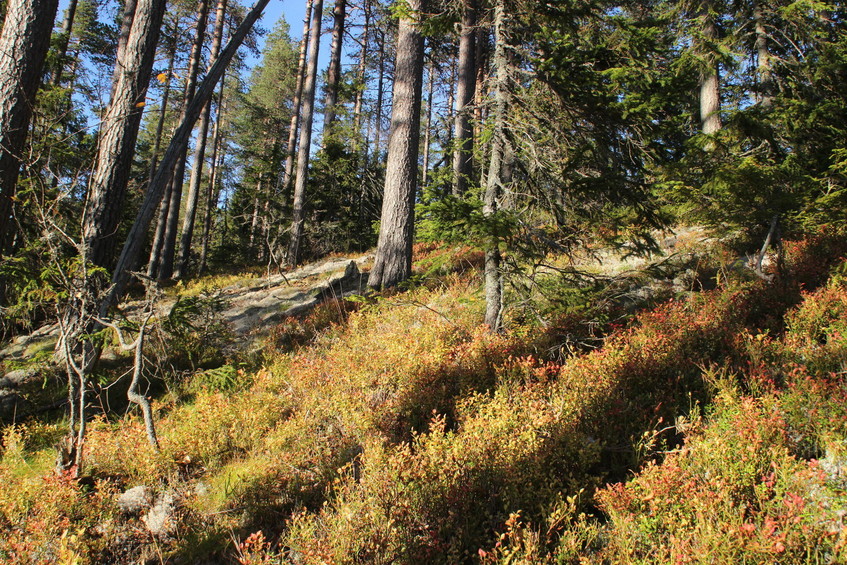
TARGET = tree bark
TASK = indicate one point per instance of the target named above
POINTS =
(361, 77)
(710, 99)
(199, 156)
(494, 181)
(306, 111)
(168, 253)
(211, 191)
(23, 47)
(135, 239)
(333, 75)
(119, 131)
(393, 263)
(764, 95)
(463, 132)
(710, 105)
(127, 16)
(291, 146)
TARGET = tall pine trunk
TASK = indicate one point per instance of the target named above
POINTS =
(428, 124)
(333, 75)
(254, 221)
(482, 49)
(23, 43)
(393, 263)
(291, 146)
(168, 253)
(463, 132)
(495, 180)
(360, 139)
(211, 190)
(307, 111)
(199, 156)
(710, 99)
(451, 100)
(764, 96)
(119, 131)
(361, 78)
(135, 239)
(379, 96)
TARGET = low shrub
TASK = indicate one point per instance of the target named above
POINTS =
(400, 431)
(734, 494)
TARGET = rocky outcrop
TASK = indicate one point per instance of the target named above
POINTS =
(257, 307)
(25, 347)
(253, 306)
(22, 372)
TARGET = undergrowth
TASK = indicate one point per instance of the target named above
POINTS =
(710, 428)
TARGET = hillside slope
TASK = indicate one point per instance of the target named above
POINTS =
(709, 428)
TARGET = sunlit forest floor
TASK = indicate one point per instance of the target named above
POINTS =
(704, 421)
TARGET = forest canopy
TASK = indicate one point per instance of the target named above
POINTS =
(531, 130)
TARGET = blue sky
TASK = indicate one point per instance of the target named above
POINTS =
(291, 10)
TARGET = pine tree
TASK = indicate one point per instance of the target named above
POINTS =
(465, 87)
(119, 131)
(212, 191)
(495, 179)
(23, 48)
(710, 93)
(333, 76)
(64, 40)
(291, 145)
(393, 263)
(168, 249)
(134, 243)
(307, 113)
(199, 155)
(361, 73)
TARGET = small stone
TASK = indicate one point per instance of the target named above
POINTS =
(20, 376)
(135, 500)
(201, 488)
(159, 519)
